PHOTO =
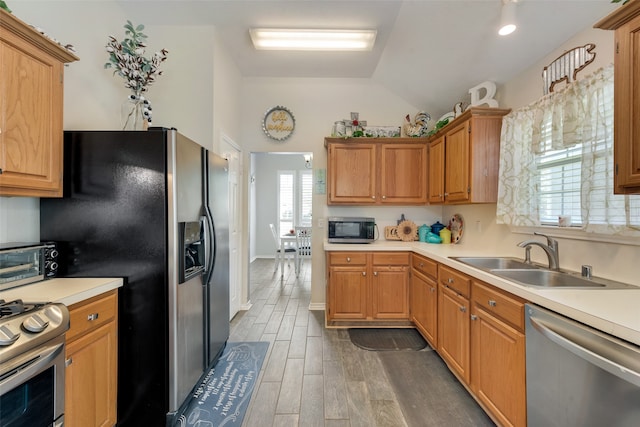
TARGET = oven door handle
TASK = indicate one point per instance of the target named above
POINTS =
(589, 349)
(25, 366)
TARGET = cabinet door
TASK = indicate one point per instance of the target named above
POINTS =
(390, 292)
(498, 368)
(453, 331)
(403, 173)
(424, 306)
(436, 170)
(627, 108)
(31, 90)
(90, 379)
(456, 169)
(352, 173)
(347, 293)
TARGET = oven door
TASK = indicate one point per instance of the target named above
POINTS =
(32, 387)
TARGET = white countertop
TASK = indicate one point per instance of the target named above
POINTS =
(67, 291)
(614, 311)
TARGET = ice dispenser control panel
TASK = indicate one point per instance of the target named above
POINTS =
(192, 244)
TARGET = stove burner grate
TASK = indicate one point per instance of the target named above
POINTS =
(10, 308)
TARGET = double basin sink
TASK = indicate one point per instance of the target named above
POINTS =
(537, 276)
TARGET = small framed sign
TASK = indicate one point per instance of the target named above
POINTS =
(278, 123)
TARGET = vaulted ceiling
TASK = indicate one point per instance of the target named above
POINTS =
(428, 52)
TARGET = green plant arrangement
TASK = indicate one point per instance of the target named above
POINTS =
(4, 6)
(618, 1)
(139, 72)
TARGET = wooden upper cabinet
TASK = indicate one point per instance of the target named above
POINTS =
(352, 173)
(370, 171)
(464, 158)
(456, 163)
(436, 170)
(625, 20)
(403, 173)
(31, 90)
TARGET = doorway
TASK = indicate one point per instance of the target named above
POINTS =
(280, 186)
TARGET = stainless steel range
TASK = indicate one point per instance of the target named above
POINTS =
(32, 363)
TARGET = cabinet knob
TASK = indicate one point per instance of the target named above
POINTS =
(348, 259)
(384, 197)
(474, 317)
(450, 280)
(463, 308)
(492, 303)
(364, 273)
(92, 317)
(446, 194)
(432, 289)
(375, 273)
(373, 197)
(421, 264)
(68, 362)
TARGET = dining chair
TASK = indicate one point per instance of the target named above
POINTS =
(288, 251)
(303, 246)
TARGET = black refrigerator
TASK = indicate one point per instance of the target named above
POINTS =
(150, 207)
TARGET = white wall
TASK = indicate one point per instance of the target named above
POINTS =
(316, 104)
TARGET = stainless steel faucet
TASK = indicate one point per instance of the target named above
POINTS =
(551, 249)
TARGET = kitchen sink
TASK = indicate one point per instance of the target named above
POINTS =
(547, 278)
(535, 275)
(491, 263)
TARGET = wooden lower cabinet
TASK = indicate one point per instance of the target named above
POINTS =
(367, 286)
(424, 298)
(390, 285)
(498, 368)
(453, 331)
(91, 353)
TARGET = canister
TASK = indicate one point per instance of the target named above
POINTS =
(422, 232)
(445, 235)
(437, 227)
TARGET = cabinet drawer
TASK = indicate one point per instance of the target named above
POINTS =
(391, 258)
(507, 307)
(455, 280)
(347, 258)
(88, 315)
(425, 266)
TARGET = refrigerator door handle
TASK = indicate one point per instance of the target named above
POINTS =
(210, 239)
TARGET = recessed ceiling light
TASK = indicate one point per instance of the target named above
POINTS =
(337, 40)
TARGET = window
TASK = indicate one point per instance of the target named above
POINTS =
(556, 159)
(295, 193)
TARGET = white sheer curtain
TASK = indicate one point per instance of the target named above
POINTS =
(579, 115)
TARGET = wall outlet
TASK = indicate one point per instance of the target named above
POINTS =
(320, 222)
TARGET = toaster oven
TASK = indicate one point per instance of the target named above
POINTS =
(22, 263)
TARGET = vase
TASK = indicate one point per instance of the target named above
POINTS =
(134, 113)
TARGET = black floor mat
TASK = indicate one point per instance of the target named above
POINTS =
(387, 339)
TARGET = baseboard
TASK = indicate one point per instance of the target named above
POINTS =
(317, 306)
(246, 306)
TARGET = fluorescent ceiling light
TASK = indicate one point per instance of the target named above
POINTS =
(280, 39)
(508, 18)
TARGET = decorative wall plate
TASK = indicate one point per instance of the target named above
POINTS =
(456, 225)
(278, 123)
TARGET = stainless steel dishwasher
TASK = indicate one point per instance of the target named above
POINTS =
(578, 376)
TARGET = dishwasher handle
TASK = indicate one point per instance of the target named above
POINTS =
(591, 355)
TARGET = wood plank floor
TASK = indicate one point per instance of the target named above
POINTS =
(313, 376)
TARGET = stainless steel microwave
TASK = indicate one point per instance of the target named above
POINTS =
(351, 229)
